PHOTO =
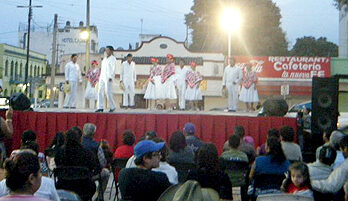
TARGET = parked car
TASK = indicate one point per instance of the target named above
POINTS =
(45, 104)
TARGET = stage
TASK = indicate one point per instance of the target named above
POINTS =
(212, 126)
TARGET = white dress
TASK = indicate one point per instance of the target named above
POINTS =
(249, 95)
(158, 87)
(168, 90)
(150, 92)
(91, 92)
(193, 94)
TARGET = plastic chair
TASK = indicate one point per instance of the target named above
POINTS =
(266, 184)
(283, 197)
(183, 169)
(116, 165)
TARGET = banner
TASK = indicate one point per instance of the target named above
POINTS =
(287, 67)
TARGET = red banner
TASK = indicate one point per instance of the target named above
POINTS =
(287, 67)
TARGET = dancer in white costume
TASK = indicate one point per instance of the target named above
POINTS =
(231, 80)
(181, 72)
(107, 76)
(168, 79)
(249, 94)
(193, 92)
(155, 74)
(92, 75)
(72, 77)
(128, 77)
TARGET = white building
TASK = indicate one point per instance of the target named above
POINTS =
(68, 41)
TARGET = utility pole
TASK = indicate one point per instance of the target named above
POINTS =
(53, 64)
(28, 42)
(141, 25)
(88, 44)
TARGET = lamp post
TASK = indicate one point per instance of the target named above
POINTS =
(230, 20)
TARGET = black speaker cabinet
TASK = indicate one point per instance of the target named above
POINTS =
(324, 105)
(19, 101)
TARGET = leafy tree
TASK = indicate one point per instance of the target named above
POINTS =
(260, 34)
(309, 46)
(339, 3)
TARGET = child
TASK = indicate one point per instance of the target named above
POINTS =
(104, 144)
(298, 181)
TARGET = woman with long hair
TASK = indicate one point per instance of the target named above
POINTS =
(179, 151)
(208, 173)
(73, 154)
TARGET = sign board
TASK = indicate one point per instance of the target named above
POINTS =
(287, 67)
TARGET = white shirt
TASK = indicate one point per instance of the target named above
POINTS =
(108, 68)
(181, 74)
(319, 171)
(72, 72)
(231, 75)
(169, 170)
(128, 74)
(130, 162)
(47, 189)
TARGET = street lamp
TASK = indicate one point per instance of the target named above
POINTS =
(84, 35)
(230, 20)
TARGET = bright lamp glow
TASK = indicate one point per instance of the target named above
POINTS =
(84, 35)
(231, 19)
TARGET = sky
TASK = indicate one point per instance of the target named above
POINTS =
(119, 21)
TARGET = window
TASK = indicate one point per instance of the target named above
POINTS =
(30, 73)
(35, 67)
(12, 66)
(16, 70)
(5, 92)
(21, 70)
(6, 68)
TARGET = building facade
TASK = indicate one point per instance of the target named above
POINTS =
(211, 66)
(68, 41)
(12, 71)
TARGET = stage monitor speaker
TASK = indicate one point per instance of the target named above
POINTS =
(324, 105)
(19, 101)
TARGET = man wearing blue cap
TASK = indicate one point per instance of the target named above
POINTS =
(191, 140)
(141, 183)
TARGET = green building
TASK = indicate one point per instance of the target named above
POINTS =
(12, 71)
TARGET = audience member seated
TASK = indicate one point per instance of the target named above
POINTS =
(73, 154)
(298, 180)
(261, 150)
(291, 150)
(35, 147)
(335, 138)
(208, 173)
(47, 189)
(191, 139)
(321, 169)
(102, 173)
(338, 177)
(104, 144)
(23, 178)
(273, 163)
(179, 151)
(28, 136)
(141, 183)
(248, 149)
(164, 167)
(326, 140)
(126, 150)
(149, 135)
(57, 143)
(6, 131)
(234, 154)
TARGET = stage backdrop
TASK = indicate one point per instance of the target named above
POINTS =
(209, 128)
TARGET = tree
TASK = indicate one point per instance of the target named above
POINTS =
(260, 34)
(309, 46)
(339, 3)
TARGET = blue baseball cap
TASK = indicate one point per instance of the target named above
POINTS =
(189, 128)
(147, 146)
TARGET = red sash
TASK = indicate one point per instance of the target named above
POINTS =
(193, 78)
(168, 71)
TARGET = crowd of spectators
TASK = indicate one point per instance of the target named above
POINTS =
(154, 166)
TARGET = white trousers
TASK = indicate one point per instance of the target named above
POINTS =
(107, 88)
(128, 94)
(181, 95)
(232, 90)
(70, 99)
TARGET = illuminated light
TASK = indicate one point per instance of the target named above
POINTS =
(84, 35)
(231, 20)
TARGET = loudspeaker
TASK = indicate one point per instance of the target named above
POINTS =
(324, 105)
(19, 101)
